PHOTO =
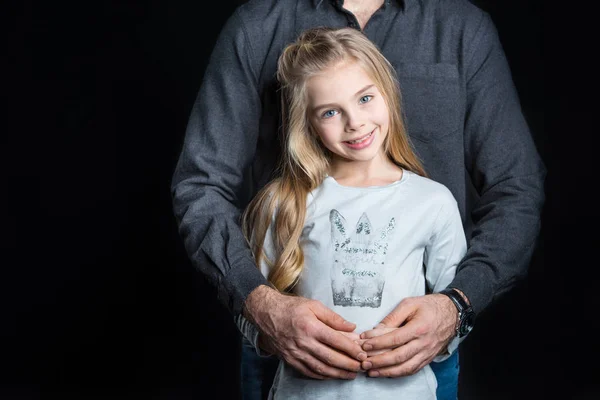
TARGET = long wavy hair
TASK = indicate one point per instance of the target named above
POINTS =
(305, 161)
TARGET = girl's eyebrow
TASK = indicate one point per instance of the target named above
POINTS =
(364, 89)
(329, 105)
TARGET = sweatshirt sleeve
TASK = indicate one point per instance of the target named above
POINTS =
(445, 250)
(207, 183)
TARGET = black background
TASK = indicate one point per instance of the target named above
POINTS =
(98, 298)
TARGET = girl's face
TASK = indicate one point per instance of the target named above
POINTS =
(348, 113)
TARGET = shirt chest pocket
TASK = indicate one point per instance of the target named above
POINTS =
(431, 99)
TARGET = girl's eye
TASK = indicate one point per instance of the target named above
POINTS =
(365, 99)
(329, 113)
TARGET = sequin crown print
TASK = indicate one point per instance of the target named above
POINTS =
(358, 271)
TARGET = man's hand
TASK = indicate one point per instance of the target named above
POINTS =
(377, 331)
(306, 334)
(425, 326)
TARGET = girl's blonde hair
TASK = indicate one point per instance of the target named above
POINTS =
(305, 161)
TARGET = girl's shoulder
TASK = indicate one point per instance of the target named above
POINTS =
(428, 187)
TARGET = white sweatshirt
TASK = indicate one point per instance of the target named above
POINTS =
(366, 249)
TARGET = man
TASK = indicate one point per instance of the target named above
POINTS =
(465, 121)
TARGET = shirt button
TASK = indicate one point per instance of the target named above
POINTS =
(351, 24)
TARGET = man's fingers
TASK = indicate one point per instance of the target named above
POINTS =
(390, 358)
(342, 343)
(372, 352)
(376, 332)
(391, 340)
(331, 319)
(335, 359)
(315, 368)
(399, 314)
(352, 336)
(408, 367)
(304, 370)
(376, 352)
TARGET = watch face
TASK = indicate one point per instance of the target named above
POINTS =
(467, 323)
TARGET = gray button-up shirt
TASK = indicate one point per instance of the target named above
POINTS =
(462, 113)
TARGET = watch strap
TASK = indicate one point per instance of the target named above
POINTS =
(464, 309)
(456, 298)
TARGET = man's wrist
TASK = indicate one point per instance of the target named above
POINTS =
(256, 301)
(466, 316)
(449, 309)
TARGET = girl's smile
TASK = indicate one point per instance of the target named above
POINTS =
(362, 142)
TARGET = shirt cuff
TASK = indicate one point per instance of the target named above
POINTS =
(238, 284)
(250, 332)
(452, 346)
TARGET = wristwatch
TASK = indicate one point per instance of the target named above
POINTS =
(466, 315)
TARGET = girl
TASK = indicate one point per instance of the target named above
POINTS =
(351, 220)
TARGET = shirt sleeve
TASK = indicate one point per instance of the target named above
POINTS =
(248, 329)
(207, 183)
(505, 170)
(445, 250)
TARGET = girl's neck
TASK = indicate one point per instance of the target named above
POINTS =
(380, 171)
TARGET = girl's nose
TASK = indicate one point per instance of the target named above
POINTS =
(354, 121)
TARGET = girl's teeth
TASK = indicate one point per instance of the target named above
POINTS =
(360, 140)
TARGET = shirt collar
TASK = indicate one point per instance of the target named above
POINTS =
(317, 3)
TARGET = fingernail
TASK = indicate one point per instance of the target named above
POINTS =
(367, 365)
(367, 347)
(374, 374)
(379, 326)
(362, 356)
(351, 375)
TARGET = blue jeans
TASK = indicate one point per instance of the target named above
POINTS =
(257, 374)
(446, 373)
